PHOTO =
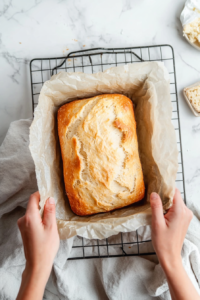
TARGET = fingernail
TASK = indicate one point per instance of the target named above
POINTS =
(153, 196)
(51, 200)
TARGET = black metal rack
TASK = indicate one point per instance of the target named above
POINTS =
(98, 60)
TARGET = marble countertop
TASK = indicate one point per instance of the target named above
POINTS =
(43, 28)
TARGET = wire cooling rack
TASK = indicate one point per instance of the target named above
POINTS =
(98, 60)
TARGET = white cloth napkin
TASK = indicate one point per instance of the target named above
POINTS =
(108, 278)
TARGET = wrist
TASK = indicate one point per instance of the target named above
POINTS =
(32, 285)
(36, 274)
(171, 264)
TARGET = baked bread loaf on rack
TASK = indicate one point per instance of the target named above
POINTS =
(101, 164)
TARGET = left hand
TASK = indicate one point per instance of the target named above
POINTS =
(40, 237)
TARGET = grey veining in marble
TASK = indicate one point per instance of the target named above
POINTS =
(43, 28)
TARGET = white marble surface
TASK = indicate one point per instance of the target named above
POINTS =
(46, 28)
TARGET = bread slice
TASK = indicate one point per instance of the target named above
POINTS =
(193, 94)
(101, 164)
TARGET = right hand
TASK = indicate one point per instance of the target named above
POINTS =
(169, 230)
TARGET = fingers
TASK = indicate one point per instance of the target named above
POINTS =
(20, 222)
(177, 200)
(179, 210)
(49, 217)
(179, 205)
(157, 210)
(33, 204)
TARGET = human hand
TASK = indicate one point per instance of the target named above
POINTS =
(40, 238)
(169, 230)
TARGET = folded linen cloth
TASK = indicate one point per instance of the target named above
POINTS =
(108, 278)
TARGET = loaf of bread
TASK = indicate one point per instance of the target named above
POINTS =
(101, 164)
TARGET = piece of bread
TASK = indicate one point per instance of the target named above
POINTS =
(193, 95)
(193, 31)
(101, 164)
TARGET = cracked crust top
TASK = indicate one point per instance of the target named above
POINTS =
(101, 164)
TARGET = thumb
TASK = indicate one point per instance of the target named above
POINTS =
(157, 209)
(49, 216)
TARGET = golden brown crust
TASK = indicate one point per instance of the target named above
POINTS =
(101, 165)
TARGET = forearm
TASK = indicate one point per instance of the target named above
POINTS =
(179, 283)
(32, 286)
